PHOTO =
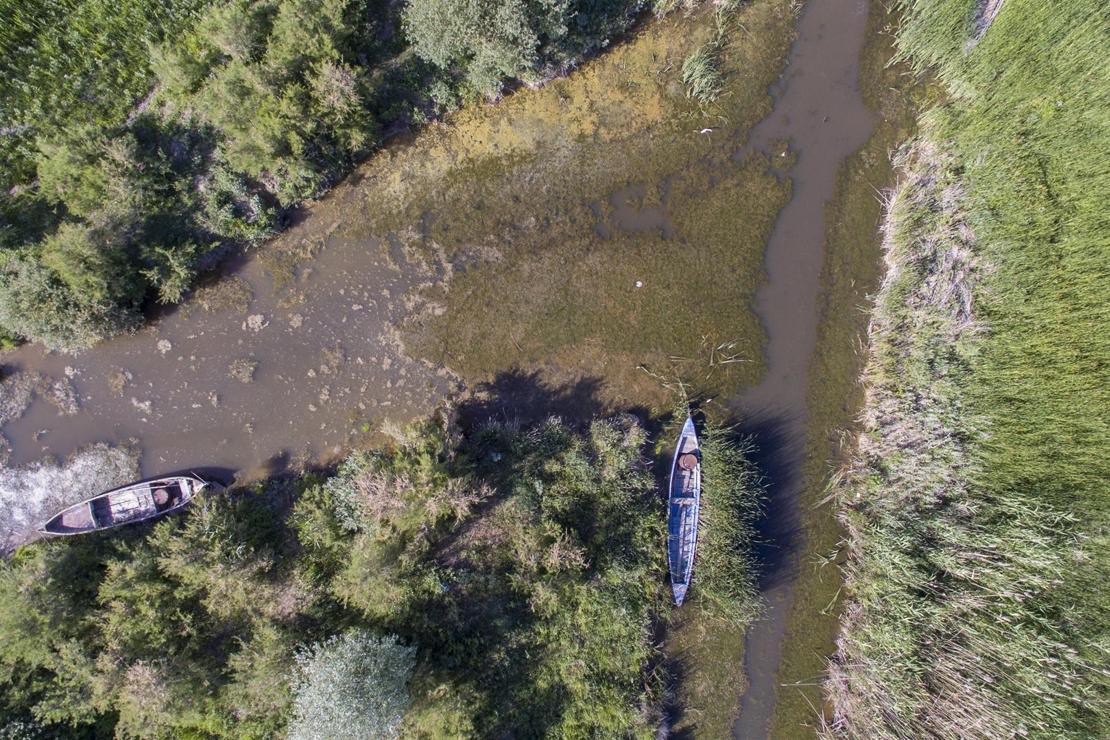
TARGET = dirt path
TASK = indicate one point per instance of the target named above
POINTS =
(819, 108)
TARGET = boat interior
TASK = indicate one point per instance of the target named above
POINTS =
(130, 504)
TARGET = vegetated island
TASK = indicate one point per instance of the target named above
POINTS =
(503, 579)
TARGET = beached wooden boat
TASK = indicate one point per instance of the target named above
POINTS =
(684, 501)
(131, 503)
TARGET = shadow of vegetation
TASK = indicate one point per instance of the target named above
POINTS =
(777, 529)
(525, 397)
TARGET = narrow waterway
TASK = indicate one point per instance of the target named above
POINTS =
(818, 107)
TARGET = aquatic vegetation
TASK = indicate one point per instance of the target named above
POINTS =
(700, 74)
(30, 495)
(732, 498)
(613, 191)
(242, 369)
(958, 585)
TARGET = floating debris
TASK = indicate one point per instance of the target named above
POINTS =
(255, 322)
(242, 369)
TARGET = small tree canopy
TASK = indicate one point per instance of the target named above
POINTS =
(352, 685)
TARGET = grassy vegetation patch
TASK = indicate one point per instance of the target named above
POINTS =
(977, 506)
(591, 220)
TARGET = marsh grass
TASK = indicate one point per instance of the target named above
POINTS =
(962, 619)
(978, 507)
(732, 499)
(550, 273)
(700, 74)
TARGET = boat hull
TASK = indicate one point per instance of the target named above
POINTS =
(128, 504)
(683, 510)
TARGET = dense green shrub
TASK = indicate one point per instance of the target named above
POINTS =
(35, 303)
(525, 566)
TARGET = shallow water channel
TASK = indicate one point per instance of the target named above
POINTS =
(819, 108)
(302, 354)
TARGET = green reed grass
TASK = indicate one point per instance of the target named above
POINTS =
(978, 507)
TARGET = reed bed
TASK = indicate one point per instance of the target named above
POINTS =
(963, 619)
(977, 505)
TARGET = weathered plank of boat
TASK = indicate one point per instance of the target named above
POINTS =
(131, 503)
(683, 505)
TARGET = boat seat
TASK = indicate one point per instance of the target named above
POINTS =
(684, 500)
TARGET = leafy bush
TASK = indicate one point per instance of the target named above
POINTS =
(351, 685)
(35, 303)
(487, 42)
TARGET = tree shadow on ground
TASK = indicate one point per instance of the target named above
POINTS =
(525, 397)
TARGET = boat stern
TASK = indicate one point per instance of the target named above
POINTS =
(679, 590)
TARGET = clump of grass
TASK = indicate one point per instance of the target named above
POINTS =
(731, 501)
(701, 75)
(118, 380)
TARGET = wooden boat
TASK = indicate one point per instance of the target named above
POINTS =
(132, 503)
(683, 504)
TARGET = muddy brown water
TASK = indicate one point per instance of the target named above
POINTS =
(819, 109)
(325, 365)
